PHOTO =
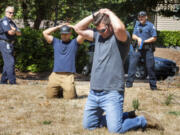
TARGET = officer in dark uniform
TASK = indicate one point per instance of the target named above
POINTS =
(8, 31)
(145, 34)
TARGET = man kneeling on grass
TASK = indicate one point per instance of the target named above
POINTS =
(107, 75)
(61, 80)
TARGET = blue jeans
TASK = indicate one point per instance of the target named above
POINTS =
(110, 103)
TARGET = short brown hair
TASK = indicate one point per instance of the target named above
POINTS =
(101, 18)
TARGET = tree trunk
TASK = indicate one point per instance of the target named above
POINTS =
(25, 16)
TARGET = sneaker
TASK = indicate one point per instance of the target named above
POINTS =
(131, 114)
(152, 122)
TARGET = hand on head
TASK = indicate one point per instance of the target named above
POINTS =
(105, 11)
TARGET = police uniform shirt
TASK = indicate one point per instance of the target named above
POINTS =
(145, 31)
(5, 27)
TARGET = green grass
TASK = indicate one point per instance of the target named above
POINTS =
(135, 104)
(177, 113)
(169, 99)
(47, 122)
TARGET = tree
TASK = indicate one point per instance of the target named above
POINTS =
(72, 11)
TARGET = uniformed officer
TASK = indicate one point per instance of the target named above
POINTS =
(145, 34)
(8, 31)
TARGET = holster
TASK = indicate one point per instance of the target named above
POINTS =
(148, 46)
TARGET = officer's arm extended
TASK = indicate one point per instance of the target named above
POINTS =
(47, 33)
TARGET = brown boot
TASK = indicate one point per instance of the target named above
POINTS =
(152, 122)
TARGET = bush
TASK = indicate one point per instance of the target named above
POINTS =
(168, 38)
(33, 53)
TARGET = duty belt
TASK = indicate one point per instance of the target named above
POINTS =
(10, 42)
(148, 46)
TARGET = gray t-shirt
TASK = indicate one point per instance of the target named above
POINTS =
(108, 63)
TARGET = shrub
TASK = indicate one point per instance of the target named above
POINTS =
(34, 54)
(168, 38)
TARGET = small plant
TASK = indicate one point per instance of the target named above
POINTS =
(135, 104)
(47, 122)
(175, 113)
(169, 99)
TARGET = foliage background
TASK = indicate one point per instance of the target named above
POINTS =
(33, 54)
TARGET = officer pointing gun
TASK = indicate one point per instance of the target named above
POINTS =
(8, 31)
(144, 34)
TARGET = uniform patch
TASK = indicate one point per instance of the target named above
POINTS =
(5, 22)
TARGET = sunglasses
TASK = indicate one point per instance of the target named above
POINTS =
(11, 13)
(102, 30)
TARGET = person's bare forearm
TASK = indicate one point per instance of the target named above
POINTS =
(51, 30)
(150, 40)
(134, 37)
(116, 23)
(84, 23)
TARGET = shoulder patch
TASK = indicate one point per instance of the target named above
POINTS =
(154, 27)
(5, 22)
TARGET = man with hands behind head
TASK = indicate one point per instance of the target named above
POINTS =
(107, 75)
(61, 80)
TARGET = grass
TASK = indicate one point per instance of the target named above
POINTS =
(169, 99)
(176, 113)
(135, 104)
(47, 122)
(24, 109)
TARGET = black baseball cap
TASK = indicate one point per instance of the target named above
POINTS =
(65, 29)
(142, 13)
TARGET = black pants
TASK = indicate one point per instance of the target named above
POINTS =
(149, 60)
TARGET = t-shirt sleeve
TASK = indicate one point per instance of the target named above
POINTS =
(5, 26)
(124, 47)
(153, 31)
(94, 35)
(135, 30)
(55, 40)
(75, 42)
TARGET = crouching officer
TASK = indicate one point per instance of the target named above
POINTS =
(8, 31)
(145, 34)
